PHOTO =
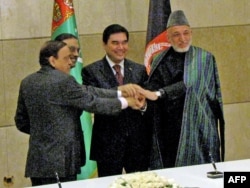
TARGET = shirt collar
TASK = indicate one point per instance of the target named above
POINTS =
(111, 64)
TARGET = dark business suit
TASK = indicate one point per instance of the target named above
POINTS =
(49, 107)
(118, 140)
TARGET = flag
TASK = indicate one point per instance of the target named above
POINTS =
(64, 21)
(156, 41)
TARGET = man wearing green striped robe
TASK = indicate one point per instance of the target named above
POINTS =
(188, 122)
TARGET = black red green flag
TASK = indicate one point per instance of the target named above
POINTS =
(156, 41)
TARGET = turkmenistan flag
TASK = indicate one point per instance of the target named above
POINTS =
(64, 21)
(156, 41)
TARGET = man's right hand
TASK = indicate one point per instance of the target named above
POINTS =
(135, 103)
(129, 90)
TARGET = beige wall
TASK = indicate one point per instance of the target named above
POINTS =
(220, 26)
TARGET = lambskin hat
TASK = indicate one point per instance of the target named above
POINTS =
(177, 18)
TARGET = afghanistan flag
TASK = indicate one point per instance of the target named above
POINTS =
(156, 41)
(64, 21)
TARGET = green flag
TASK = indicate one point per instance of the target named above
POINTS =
(64, 21)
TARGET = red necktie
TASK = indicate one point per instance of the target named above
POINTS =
(118, 74)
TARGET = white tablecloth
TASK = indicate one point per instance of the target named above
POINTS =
(190, 176)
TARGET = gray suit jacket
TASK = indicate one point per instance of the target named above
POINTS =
(49, 107)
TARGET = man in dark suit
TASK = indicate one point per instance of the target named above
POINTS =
(118, 141)
(49, 106)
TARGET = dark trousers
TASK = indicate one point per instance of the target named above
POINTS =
(110, 169)
(45, 181)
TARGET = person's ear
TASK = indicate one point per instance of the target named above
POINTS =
(52, 61)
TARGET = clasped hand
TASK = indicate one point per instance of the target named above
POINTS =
(136, 95)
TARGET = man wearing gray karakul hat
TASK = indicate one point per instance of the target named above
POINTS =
(177, 18)
(185, 84)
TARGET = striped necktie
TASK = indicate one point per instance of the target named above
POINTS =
(118, 74)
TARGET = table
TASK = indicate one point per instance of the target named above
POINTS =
(189, 176)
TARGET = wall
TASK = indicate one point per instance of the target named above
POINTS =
(220, 26)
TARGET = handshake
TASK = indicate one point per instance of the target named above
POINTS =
(136, 96)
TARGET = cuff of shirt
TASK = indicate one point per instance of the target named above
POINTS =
(144, 108)
(119, 93)
(124, 102)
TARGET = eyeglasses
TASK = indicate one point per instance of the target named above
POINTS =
(74, 49)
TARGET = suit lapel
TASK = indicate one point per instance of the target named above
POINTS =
(108, 73)
(128, 72)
